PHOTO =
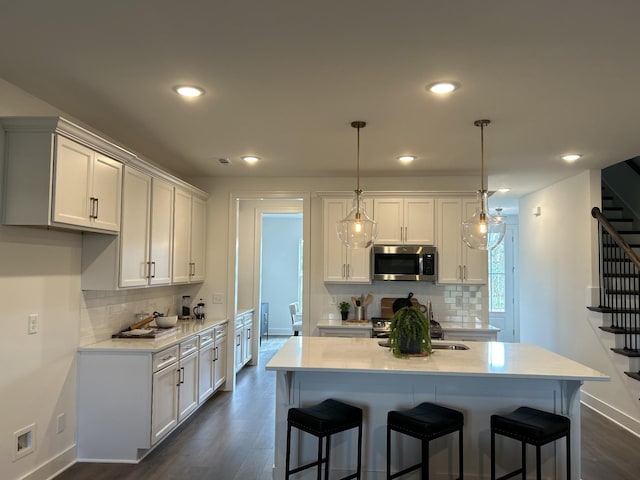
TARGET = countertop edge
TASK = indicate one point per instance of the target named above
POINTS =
(150, 345)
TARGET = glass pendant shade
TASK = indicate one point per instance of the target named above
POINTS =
(483, 231)
(357, 230)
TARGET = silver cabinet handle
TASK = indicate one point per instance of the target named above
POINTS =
(464, 272)
(248, 334)
(460, 272)
(348, 270)
(178, 372)
(97, 208)
(153, 264)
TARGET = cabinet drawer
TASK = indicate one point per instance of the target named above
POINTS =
(206, 337)
(188, 346)
(165, 358)
(220, 331)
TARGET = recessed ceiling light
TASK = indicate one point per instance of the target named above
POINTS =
(442, 87)
(189, 91)
(571, 157)
(250, 159)
(406, 158)
(504, 190)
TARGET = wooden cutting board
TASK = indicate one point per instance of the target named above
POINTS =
(386, 305)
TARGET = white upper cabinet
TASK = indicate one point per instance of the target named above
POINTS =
(52, 180)
(135, 234)
(146, 236)
(161, 245)
(342, 264)
(457, 263)
(408, 221)
(188, 238)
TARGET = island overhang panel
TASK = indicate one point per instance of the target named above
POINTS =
(490, 377)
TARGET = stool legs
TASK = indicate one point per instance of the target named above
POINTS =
(523, 469)
(424, 465)
(321, 460)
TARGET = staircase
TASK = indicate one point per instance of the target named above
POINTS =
(620, 279)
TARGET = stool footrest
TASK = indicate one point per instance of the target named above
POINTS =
(510, 475)
(405, 471)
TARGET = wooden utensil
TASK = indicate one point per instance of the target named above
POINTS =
(141, 323)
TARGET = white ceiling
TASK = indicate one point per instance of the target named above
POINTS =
(284, 79)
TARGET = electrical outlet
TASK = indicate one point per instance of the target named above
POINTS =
(32, 324)
(218, 298)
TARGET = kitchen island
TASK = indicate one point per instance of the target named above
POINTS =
(489, 377)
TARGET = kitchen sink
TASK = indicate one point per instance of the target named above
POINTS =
(449, 346)
(435, 345)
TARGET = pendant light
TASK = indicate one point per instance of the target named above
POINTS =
(482, 231)
(357, 230)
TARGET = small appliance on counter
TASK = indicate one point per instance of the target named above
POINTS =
(186, 308)
(199, 311)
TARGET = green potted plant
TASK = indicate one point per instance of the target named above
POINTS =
(409, 333)
(344, 309)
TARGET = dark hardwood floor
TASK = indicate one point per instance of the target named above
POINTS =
(231, 438)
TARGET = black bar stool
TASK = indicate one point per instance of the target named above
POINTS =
(323, 420)
(531, 426)
(425, 422)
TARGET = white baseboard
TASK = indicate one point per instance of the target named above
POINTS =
(612, 413)
(54, 466)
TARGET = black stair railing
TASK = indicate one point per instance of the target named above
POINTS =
(619, 282)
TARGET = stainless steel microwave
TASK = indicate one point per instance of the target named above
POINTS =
(404, 262)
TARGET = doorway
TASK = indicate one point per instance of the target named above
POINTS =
(281, 271)
(245, 279)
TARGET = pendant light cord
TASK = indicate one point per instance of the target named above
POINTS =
(482, 123)
(358, 125)
(482, 157)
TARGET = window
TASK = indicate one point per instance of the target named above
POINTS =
(497, 271)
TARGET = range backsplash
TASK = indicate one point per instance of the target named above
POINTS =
(451, 303)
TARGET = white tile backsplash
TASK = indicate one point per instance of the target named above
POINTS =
(451, 303)
(105, 313)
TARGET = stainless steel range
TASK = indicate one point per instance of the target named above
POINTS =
(381, 328)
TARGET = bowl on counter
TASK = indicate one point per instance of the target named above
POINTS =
(167, 321)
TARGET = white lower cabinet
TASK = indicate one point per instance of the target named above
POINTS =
(244, 339)
(220, 357)
(164, 404)
(238, 346)
(206, 359)
(247, 337)
(188, 378)
(212, 361)
(130, 399)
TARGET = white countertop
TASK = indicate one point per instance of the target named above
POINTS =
(151, 345)
(488, 359)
